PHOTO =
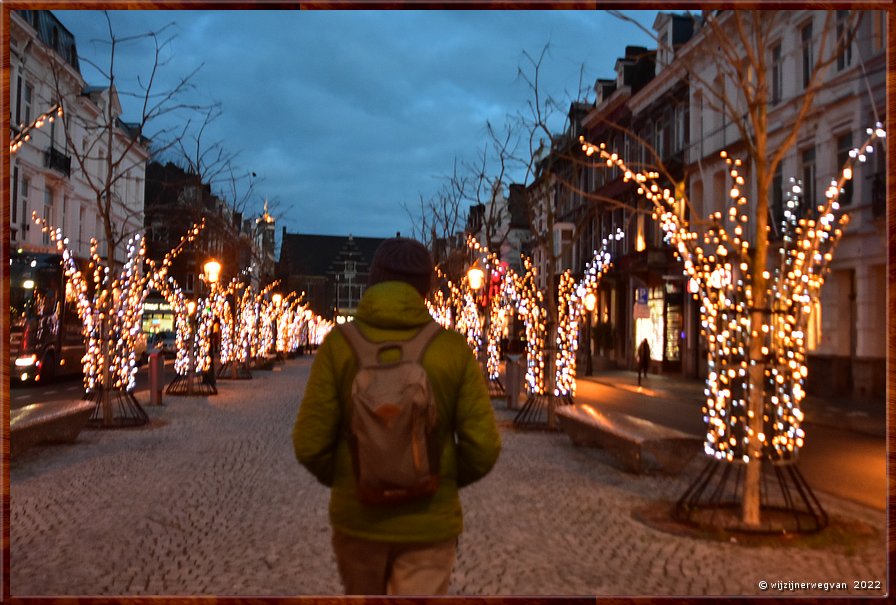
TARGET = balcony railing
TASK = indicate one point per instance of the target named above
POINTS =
(55, 159)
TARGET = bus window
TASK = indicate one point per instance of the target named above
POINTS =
(21, 298)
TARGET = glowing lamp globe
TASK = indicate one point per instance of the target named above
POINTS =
(590, 301)
(212, 271)
(476, 277)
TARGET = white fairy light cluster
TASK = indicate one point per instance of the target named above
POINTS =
(111, 306)
(719, 261)
(233, 348)
(519, 296)
(529, 302)
(468, 322)
(570, 304)
(460, 304)
(439, 310)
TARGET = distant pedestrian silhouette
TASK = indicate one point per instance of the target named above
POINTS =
(643, 359)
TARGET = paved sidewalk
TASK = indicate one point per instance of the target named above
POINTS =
(208, 500)
(854, 415)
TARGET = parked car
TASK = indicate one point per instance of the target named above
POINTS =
(164, 342)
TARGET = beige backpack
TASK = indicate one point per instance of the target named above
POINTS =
(393, 419)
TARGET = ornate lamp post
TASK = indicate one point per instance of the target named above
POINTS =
(196, 382)
(277, 299)
(191, 347)
(212, 271)
(590, 302)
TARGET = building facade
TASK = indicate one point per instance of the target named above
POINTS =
(663, 118)
(330, 270)
(502, 225)
(175, 201)
(846, 345)
(60, 171)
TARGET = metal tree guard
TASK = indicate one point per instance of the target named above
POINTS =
(788, 505)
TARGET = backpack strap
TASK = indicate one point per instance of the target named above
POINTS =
(368, 351)
(414, 348)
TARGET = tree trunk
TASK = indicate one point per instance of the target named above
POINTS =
(105, 390)
(756, 402)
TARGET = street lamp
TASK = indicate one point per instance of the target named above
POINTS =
(191, 322)
(590, 303)
(475, 276)
(212, 270)
(277, 299)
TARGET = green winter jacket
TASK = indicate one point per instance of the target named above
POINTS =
(395, 311)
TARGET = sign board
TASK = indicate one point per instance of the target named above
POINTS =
(641, 296)
(641, 311)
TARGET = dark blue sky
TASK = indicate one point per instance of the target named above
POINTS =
(345, 115)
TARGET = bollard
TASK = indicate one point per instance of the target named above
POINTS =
(513, 375)
(156, 378)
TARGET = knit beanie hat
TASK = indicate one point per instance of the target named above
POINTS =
(402, 259)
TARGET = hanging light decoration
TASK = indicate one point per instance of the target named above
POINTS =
(718, 263)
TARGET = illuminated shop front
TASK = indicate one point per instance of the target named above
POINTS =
(657, 315)
(157, 316)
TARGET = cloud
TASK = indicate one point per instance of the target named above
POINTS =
(345, 115)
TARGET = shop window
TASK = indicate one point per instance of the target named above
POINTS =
(649, 323)
(674, 320)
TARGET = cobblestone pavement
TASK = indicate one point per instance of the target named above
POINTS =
(208, 500)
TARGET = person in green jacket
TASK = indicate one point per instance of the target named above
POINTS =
(409, 548)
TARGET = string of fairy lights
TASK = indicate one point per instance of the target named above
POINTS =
(518, 296)
(110, 306)
(718, 261)
(24, 135)
(571, 303)
(111, 311)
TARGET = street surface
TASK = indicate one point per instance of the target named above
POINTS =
(209, 500)
(849, 464)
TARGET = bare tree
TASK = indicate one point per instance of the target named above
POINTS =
(548, 162)
(438, 220)
(487, 184)
(105, 148)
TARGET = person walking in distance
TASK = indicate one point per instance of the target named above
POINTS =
(643, 359)
(395, 419)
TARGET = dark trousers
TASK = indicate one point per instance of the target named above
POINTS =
(642, 369)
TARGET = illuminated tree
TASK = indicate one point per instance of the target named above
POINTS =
(755, 299)
(110, 307)
(105, 156)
